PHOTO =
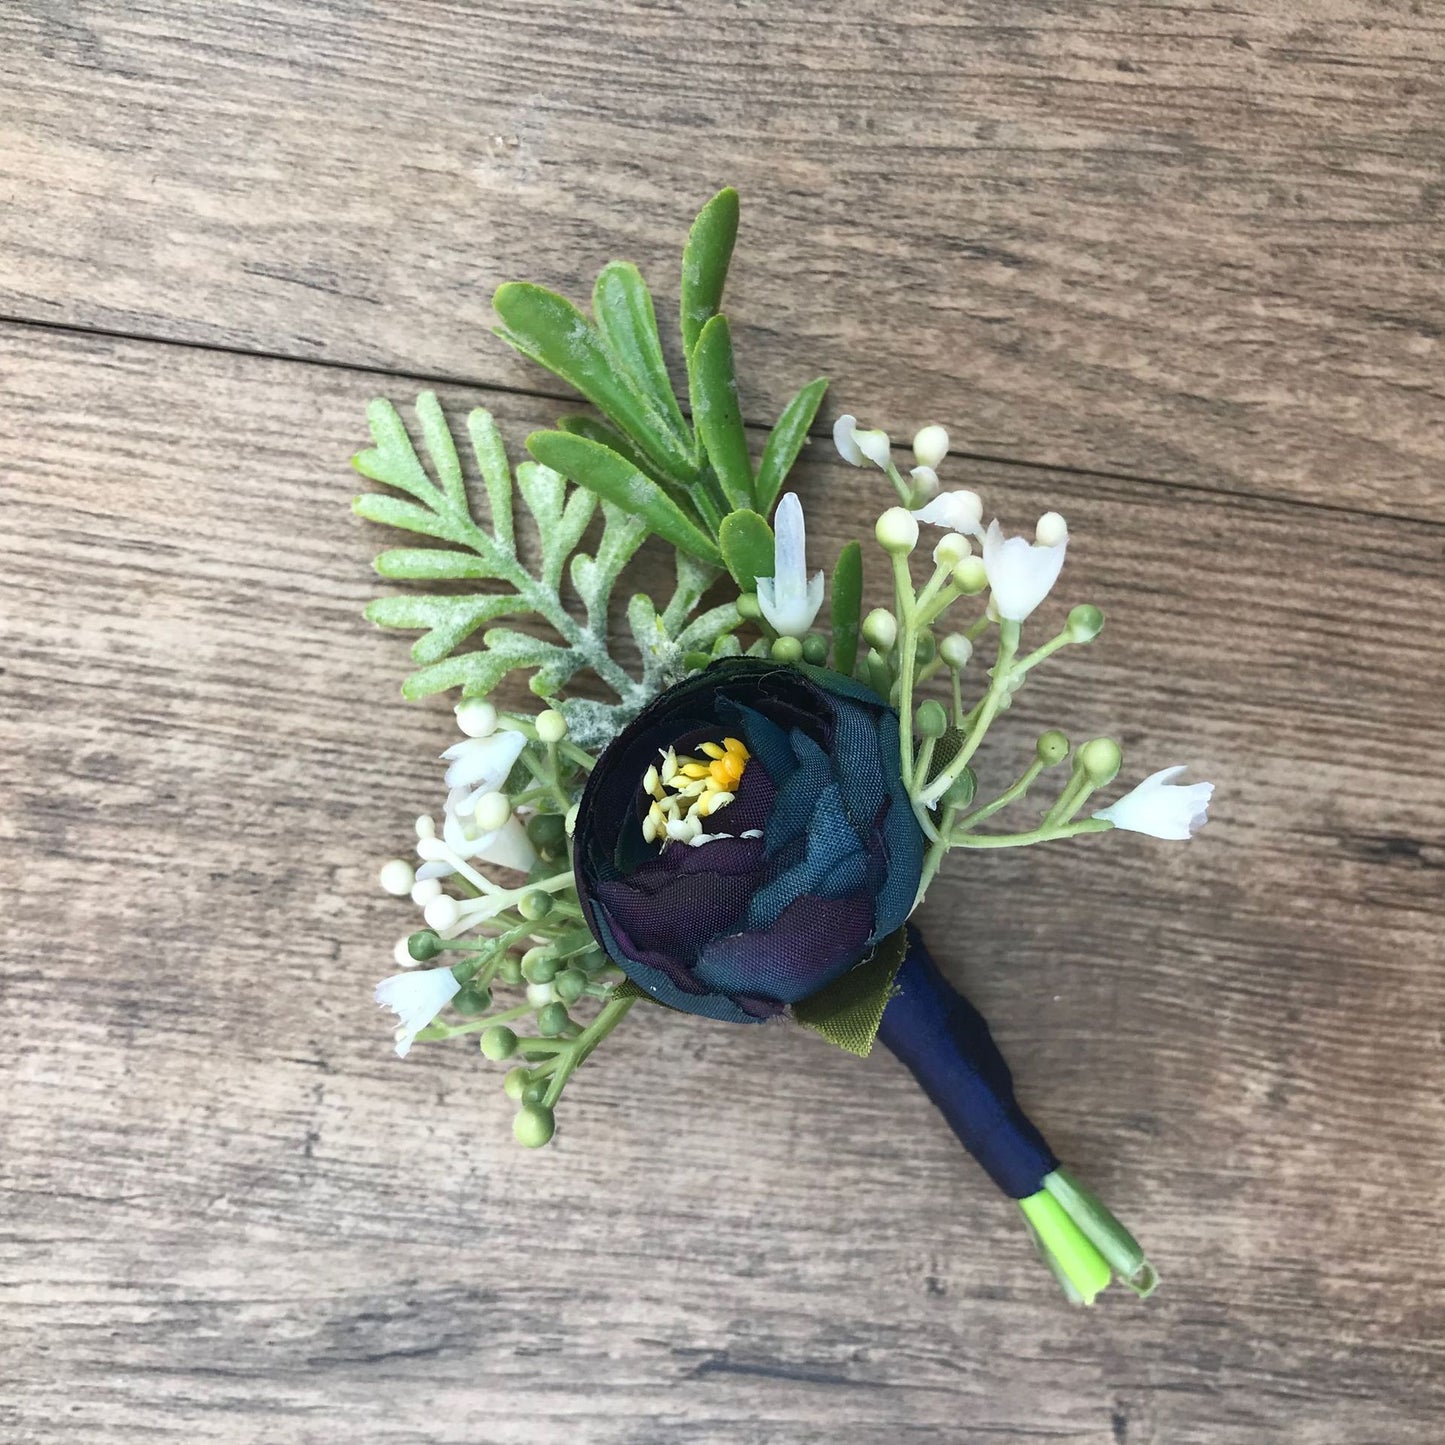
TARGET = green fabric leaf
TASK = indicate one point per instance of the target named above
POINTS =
(747, 548)
(785, 441)
(616, 480)
(622, 305)
(448, 621)
(431, 564)
(406, 516)
(716, 412)
(491, 458)
(847, 607)
(705, 261)
(393, 460)
(437, 437)
(847, 1013)
(553, 332)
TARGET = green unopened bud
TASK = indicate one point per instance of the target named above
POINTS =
(509, 970)
(499, 1043)
(952, 550)
(749, 608)
(514, 1082)
(538, 965)
(423, 945)
(1052, 747)
(1099, 760)
(880, 678)
(551, 726)
(897, 531)
(931, 720)
(696, 661)
(593, 961)
(925, 647)
(788, 649)
(961, 790)
(473, 999)
(548, 832)
(534, 1125)
(955, 650)
(570, 984)
(535, 905)
(1085, 623)
(815, 649)
(880, 629)
(551, 1020)
(970, 576)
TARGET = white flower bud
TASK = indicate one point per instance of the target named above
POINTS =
(1051, 530)
(874, 445)
(551, 726)
(880, 629)
(959, 510)
(426, 826)
(539, 995)
(442, 913)
(492, 812)
(925, 485)
(952, 550)
(424, 890)
(476, 717)
(401, 954)
(930, 446)
(397, 877)
(897, 531)
(955, 650)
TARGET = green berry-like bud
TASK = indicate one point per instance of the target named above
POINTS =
(551, 1020)
(970, 576)
(423, 945)
(514, 1082)
(535, 905)
(815, 649)
(539, 966)
(931, 720)
(570, 984)
(897, 531)
(1085, 623)
(534, 1125)
(551, 726)
(509, 970)
(696, 661)
(962, 790)
(499, 1043)
(789, 650)
(1052, 747)
(955, 650)
(1100, 760)
(880, 629)
(547, 832)
(593, 961)
(749, 608)
(925, 647)
(473, 999)
(952, 550)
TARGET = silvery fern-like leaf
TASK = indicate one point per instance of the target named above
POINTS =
(437, 505)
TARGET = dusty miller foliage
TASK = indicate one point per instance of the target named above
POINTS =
(437, 505)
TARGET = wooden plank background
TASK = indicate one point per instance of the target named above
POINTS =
(1175, 270)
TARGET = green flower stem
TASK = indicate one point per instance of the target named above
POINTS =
(436, 1031)
(1008, 641)
(906, 610)
(945, 597)
(1066, 1247)
(1041, 834)
(575, 1051)
(905, 492)
(1123, 1253)
(1039, 653)
(1011, 794)
(957, 675)
(925, 759)
(1076, 792)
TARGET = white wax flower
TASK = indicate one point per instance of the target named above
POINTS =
(843, 430)
(482, 764)
(1021, 573)
(416, 999)
(790, 599)
(959, 510)
(506, 847)
(1161, 808)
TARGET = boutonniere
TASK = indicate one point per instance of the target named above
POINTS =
(737, 813)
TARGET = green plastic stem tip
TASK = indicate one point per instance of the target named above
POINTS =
(1086, 1269)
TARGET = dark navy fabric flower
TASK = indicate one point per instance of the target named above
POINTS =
(816, 858)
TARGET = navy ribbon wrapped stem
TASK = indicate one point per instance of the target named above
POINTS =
(946, 1044)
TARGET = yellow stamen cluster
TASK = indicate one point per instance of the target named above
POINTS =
(685, 790)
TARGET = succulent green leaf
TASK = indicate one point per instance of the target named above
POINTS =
(431, 564)
(616, 480)
(747, 548)
(393, 460)
(407, 516)
(705, 264)
(448, 621)
(622, 305)
(785, 441)
(717, 414)
(491, 458)
(553, 332)
(847, 608)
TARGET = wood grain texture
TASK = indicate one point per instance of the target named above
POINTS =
(229, 1215)
(1192, 242)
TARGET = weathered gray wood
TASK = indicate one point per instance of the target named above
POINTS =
(1198, 243)
(231, 1216)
